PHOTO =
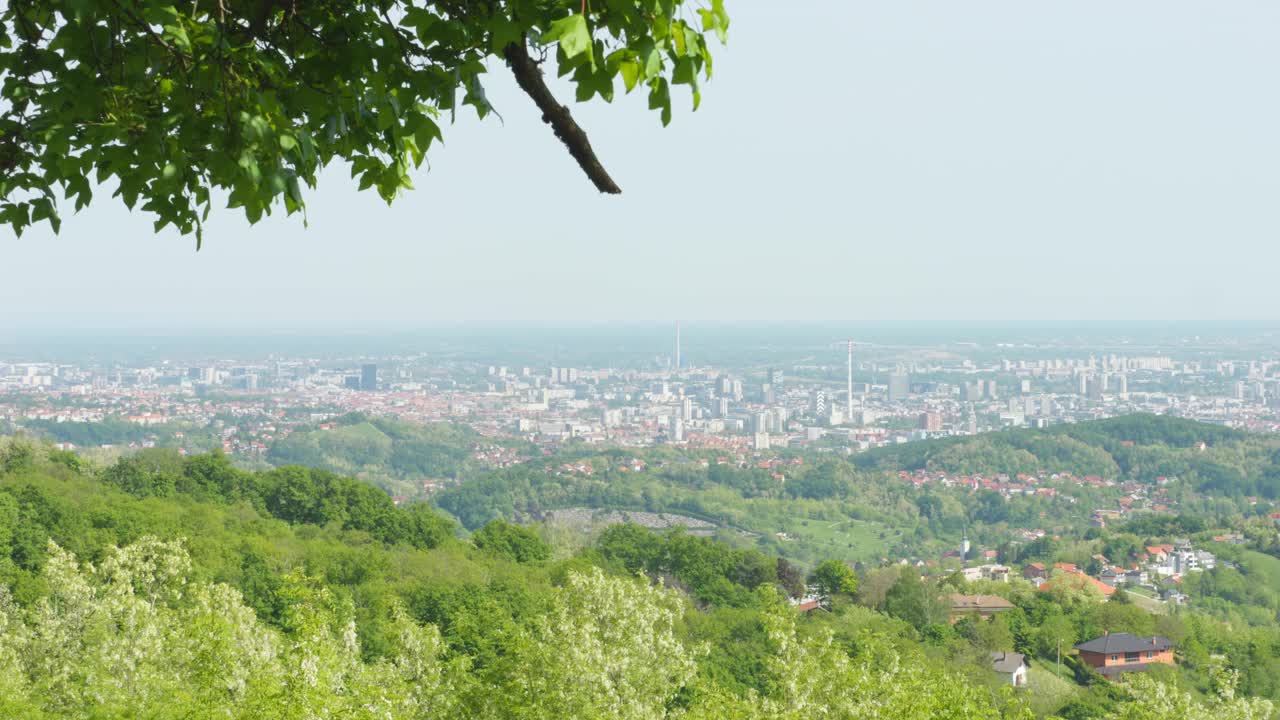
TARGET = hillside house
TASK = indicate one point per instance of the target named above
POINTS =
(981, 606)
(1117, 653)
(995, 573)
(1035, 572)
(1011, 666)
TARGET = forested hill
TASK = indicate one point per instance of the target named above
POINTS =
(392, 454)
(162, 587)
(1144, 447)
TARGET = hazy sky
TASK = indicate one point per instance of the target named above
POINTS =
(852, 161)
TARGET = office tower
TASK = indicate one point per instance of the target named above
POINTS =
(351, 382)
(369, 376)
(931, 421)
(818, 403)
(849, 384)
(899, 386)
(675, 430)
(724, 386)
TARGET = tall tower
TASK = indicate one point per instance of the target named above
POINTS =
(849, 385)
(677, 362)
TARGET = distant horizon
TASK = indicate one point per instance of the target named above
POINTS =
(596, 343)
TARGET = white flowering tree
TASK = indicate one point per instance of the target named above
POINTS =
(607, 650)
(818, 678)
(137, 636)
(1153, 700)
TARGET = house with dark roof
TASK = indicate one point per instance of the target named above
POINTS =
(1011, 666)
(1035, 572)
(1117, 653)
(982, 606)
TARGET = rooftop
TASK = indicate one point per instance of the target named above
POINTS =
(979, 602)
(1007, 662)
(1125, 643)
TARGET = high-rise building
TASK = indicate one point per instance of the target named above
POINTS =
(818, 403)
(849, 383)
(775, 376)
(899, 386)
(724, 386)
(722, 407)
(931, 422)
(686, 409)
(778, 419)
(369, 376)
(675, 430)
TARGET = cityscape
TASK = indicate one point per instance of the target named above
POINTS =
(440, 360)
(845, 397)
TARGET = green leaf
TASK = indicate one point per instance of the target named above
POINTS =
(660, 99)
(630, 70)
(503, 31)
(572, 34)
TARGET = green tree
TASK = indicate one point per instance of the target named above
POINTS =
(177, 101)
(607, 650)
(790, 578)
(517, 543)
(833, 579)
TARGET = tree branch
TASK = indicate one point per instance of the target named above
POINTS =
(529, 77)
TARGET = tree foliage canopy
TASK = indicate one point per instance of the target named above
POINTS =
(174, 101)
